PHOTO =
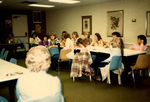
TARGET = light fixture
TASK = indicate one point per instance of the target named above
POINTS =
(65, 1)
(1, 1)
(39, 5)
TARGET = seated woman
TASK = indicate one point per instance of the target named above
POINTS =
(44, 41)
(87, 39)
(68, 44)
(75, 37)
(116, 47)
(37, 83)
(140, 44)
(53, 41)
(97, 40)
(81, 61)
(62, 40)
(10, 38)
(34, 38)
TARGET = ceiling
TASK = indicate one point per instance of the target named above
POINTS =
(17, 4)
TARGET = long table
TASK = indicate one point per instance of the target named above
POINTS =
(9, 74)
(127, 52)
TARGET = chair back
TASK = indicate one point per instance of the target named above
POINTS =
(5, 55)
(2, 99)
(142, 62)
(55, 98)
(63, 54)
(13, 60)
(53, 51)
(2, 52)
(116, 62)
(22, 43)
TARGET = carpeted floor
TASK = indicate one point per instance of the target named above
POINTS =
(84, 90)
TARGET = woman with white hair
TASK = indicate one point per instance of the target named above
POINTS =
(37, 84)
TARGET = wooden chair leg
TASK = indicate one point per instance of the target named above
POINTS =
(58, 68)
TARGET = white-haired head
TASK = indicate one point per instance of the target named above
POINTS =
(38, 58)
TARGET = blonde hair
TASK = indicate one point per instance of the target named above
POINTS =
(38, 58)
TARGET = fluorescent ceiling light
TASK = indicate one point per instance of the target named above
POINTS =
(65, 1)
(1, 1)
(39, 5)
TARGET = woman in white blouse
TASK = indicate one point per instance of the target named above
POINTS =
(34, 38)
(68, 44)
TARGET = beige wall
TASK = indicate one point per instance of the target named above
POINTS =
(70, 19)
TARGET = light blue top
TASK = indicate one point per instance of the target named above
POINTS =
(37, 85)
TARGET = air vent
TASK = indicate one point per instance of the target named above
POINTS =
(29, 2)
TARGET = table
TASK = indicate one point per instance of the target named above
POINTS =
(32, 44)
(12, 47)
(9, 74)
(127, 52)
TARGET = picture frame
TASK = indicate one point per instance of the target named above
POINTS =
(87, 24)
(115, 22)
(37, 17)
(148, 23)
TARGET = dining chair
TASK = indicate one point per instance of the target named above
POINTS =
(63, 57)
(21, 48)
(2, 99)
(115, 66)
(2, 52)
(142, 62)
(53, 51)
(13, 60)
(5, 55)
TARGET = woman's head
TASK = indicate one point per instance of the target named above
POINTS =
(34, 35)
(11, 35)
(80, 42)
(66, 35)
(75, 35)
(116, 34)
(38, 58)
(44, 38)
(140, 38)
(97, 36)
(86, 35)
(53, 36)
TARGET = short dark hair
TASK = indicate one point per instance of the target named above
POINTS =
(66, 35)
(117, 34)
(142, 37)
(34, 33)
(81, 41)
(64, 32)
(44, 36)
(98, 36)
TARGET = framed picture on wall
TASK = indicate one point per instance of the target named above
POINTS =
(148, 24)
(37, 17)
(87, 24)
(115, 22)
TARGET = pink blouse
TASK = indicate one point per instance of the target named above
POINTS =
(136, 46)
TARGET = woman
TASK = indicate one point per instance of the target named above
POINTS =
(68, 44)
(37, 84)
(75, 37)
(116, 49)
(34, 38)
(62, 41)
(53, 41)
(81, 61)
(44, 41)
(97, 40)
(87, 39)
(140, 44)
(10, 38)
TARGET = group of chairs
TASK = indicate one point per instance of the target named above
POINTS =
(142, 63)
